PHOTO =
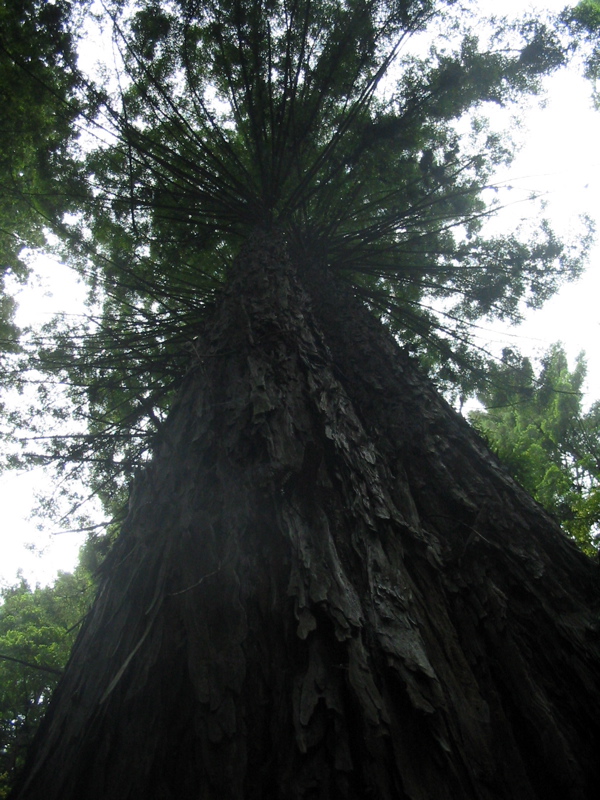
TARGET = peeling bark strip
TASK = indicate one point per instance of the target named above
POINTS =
(326, 588)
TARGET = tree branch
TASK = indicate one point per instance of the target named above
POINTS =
(40, 667)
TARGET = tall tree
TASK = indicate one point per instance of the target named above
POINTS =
(325, 585)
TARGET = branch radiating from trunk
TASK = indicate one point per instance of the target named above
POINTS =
(326, 587)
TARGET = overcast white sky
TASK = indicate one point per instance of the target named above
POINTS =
(561, 158)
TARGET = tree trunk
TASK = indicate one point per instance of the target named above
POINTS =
(326, 587)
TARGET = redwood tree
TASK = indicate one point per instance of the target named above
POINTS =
(325, 585)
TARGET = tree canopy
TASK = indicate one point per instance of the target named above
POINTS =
(322, 120)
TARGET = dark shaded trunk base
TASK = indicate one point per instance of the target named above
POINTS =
(326, 588)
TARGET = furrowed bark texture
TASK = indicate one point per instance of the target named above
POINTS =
(326, 588)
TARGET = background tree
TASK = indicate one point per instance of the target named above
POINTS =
(537, 427)
(37, 630)
(583, 22)
(38, 79)
(324, 585)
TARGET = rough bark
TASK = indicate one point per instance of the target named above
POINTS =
(326, 587)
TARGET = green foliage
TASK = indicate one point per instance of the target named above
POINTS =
(37, 95)
(37, 630)
(583, 22)
(227, 116)
(537, 427)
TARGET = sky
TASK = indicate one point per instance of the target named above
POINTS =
(39, 553)
(560, 159)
